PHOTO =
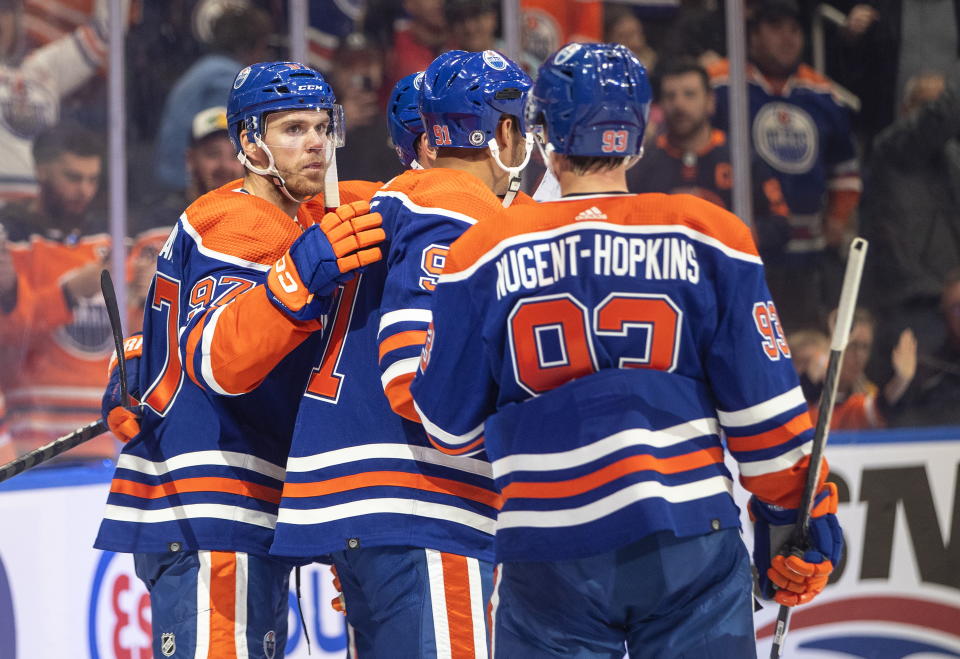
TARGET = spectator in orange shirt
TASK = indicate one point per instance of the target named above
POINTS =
(860, 404)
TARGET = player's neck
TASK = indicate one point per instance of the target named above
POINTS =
(265, 188)
(611, 180)
(480, 167)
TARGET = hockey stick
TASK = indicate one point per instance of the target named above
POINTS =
(52, 450)
(331, 185)
(799, 537)
(113, 312)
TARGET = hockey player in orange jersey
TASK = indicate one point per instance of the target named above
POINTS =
(196, 490)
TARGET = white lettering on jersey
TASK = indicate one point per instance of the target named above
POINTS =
(534, 266)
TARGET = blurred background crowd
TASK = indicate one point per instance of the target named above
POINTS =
(854, 130)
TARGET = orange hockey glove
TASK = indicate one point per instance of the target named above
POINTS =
(322, 258)
(124, 422)
(338, 603)
(795, 575)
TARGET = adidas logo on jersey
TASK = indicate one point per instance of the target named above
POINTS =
(592, 213)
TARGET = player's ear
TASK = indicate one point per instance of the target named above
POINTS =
(247, 144)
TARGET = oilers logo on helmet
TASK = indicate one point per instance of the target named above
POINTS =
(241, 78)
(494, 60)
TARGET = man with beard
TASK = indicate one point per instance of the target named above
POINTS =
(693, 157)
(195, 494)
(54, 331)
(800, 126)
(210, 163)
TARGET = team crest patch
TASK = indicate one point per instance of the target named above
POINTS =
(566, 53)
(269, 644)
(785, 135)
(494, 60)
(241, 78)
(476, 137)
(168, 644)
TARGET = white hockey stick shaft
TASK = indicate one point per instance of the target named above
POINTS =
(838, 343)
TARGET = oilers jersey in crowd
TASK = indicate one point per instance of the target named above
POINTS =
(207, 467)
(360, 475)
(595, 347)
(708, 174)
(803, 133)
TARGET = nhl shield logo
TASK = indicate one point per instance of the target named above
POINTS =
(269, 644)
(168, 644)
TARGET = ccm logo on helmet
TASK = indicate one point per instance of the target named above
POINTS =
(307, 88)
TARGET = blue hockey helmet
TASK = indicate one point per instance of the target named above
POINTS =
(464, 94)
(403, 117)
(268, 87)
(593, 99)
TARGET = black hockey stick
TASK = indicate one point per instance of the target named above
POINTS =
(53, 449)
(113, 312)
(799, 537)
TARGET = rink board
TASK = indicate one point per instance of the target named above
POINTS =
(897, 593)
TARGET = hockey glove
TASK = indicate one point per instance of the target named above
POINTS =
(124, 423)
(795, 575)
(322, 258)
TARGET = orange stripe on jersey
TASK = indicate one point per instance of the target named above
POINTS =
(841, 204)
(199, 484)
(456, 451)
(402, 340)
(785, 487)
(775, 437)
(223, 605)
(456, 591)
(392, 479)
(610, 473)
(398, 393)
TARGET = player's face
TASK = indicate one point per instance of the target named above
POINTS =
(302, 146)
(776, 46)
(686, 102)
(212, 162)
(71, 181)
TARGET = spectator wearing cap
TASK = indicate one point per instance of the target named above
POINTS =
(801, 129)
(693, 157)
(210, 162)
(239, 37)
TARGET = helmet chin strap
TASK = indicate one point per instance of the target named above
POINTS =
(270, 170)
(513, 185)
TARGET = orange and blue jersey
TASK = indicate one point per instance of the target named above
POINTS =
(802, 131)
(359, 474)
(207, 467)
(594, 349)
